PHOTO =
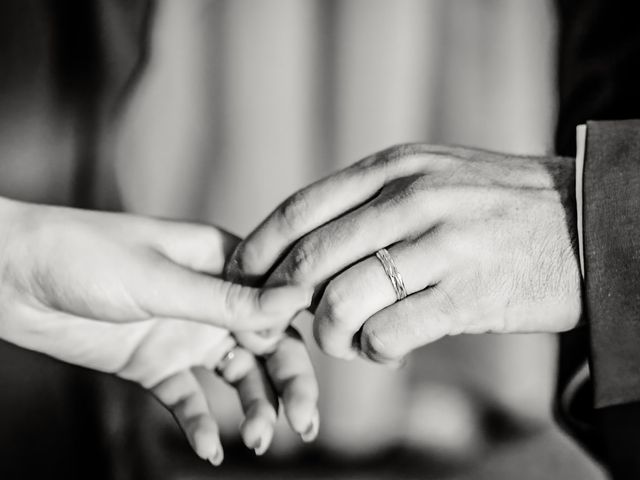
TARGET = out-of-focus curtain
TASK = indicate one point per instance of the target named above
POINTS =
(243, 102)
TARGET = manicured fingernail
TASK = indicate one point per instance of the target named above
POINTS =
(257, 448)
(262, 444)
(286, 299)
(310, 434)
(217, 458)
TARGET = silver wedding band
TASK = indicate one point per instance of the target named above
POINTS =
(392, 272)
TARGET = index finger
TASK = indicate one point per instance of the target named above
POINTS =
(301, 213)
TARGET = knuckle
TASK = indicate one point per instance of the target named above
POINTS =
(445, 301)
(327, 346)
(335, 304)
(367, 162)
(400, 191)
(415, 156)
(259, 406)
(293, 211)
(301, 260)
(387, 157)
(405, 192)
(445, 317)
(402, 150)
(399, 153)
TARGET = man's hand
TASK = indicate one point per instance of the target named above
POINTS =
(485, 242)
(142, 298)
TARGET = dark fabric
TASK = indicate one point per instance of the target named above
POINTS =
(612, 259)
(598, 65)
(612, 289)
(598, 79)
(618, 427)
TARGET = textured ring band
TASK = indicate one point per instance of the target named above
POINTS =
(392, 272)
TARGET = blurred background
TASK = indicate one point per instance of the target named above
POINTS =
(215, 111)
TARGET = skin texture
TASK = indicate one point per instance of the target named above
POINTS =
(143, 299)
(485, 242)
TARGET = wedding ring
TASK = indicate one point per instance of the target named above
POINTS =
(392, 272)
(225, 361)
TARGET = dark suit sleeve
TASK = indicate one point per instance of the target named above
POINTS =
(611, 229)
(611, 226)
(599, 79)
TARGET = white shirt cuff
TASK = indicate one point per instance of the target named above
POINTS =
(582, 374)
(581, 141)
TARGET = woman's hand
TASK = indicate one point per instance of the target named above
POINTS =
(122, 268)
(142, 298)
(484, 242)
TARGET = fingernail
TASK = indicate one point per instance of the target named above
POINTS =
(285, 299)
(262, 444)
(217, 458)
(257, 448)
(310, 434)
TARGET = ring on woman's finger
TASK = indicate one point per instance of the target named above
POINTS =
(391, 269)
(225, 361)
(235, 364)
